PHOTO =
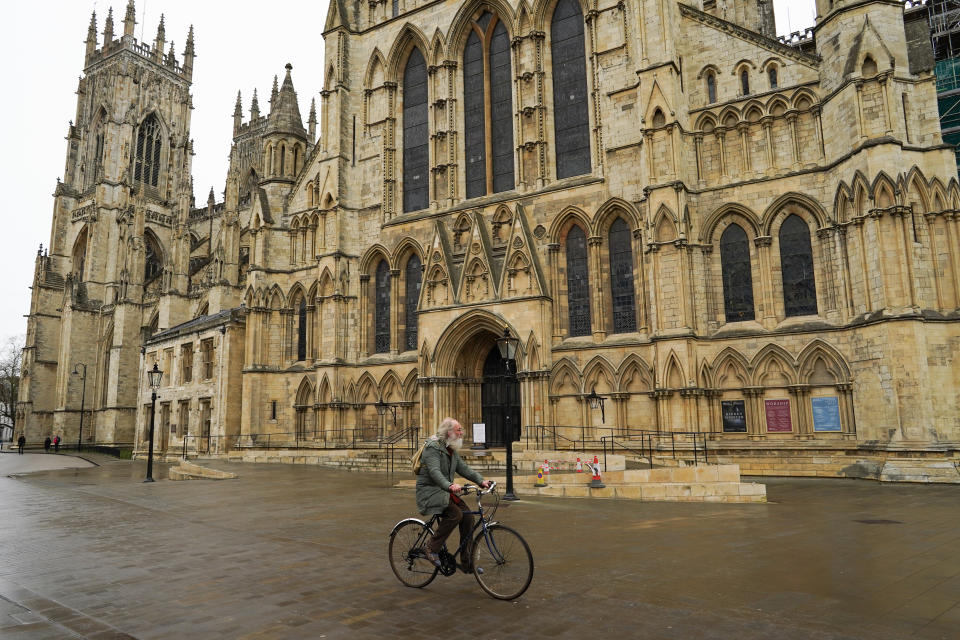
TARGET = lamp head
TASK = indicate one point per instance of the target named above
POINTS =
(156, 376)
(381, 406)
(595, 400)
(507, 345)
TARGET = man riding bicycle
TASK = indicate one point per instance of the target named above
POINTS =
(437, 492)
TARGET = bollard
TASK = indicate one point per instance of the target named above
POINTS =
(579, 466)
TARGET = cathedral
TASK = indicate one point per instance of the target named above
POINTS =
(716, 232)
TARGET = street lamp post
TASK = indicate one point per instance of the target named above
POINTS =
(155, 376)
(507, 345)
(83, 397)
(382, 410)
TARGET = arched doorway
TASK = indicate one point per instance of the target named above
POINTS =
(499, 395)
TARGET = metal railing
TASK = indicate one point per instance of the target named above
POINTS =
(359, 438)
(641, 442)
(408, 438)
(654, 441)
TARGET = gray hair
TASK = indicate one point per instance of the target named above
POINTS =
(445, 425)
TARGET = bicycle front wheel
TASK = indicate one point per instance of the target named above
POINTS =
(407, 554)
(502, 562)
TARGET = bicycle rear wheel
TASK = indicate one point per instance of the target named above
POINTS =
(407, 556)
(502, 562)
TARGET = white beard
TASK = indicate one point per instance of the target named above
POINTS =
(455, 444)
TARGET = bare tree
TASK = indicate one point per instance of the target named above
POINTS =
(11, 355)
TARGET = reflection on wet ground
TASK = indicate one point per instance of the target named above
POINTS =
(293, 551)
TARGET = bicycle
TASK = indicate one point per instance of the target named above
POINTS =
(500, 557)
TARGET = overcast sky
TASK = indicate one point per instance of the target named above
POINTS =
(240, 45)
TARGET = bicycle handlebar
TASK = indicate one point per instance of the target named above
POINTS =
(467, 488)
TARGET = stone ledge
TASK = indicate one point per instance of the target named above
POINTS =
(190, 471)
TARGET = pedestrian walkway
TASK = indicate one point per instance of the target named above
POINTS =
(295, 551)
(12, 462)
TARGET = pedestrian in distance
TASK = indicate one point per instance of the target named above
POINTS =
(46, 444)
(20, 442)
(56, 444)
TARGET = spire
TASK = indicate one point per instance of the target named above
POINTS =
(211, 200)
(237, 115)
(273, 93)
(312, 120)
(92, 35)
(161, 39)
(129, 20)
(188, 55)
(254, 107)
(284, 110)
(108, 29)
(172, 56)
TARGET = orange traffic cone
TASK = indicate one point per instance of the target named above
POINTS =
(579, 466)
(596, 482)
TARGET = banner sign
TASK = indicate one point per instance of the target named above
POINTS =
(826, 413)
(479, 432)
(778, 415)
(734, 416)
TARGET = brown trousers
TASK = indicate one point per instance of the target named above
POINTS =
(452, 516)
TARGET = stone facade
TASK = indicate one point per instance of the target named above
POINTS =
(699, 122)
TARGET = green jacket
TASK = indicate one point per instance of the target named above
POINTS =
(437, 471)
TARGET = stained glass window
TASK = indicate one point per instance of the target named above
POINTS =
(381, 312)
(416, 158)
(772, 74)
(412, 278)
(711, 88)
(302, 331)
(744, 82)
(473, 110)
(621, 278)
(737, 277)
(796, 266)
(149, 140)
(578, 286)
(571, 122)
(488, 98)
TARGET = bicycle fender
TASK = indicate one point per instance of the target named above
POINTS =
(404, 521)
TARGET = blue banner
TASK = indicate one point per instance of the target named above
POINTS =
(826, 413)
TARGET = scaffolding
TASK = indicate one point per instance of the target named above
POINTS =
(943, 18)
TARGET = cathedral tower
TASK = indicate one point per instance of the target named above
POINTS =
(116, 254)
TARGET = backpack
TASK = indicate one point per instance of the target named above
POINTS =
(415, 460)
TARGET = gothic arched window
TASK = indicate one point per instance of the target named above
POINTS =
(416, 159)
(578, 283)
(744, 82)
(571, 123)
(302, 331)
(411, 300)
(395, 8)
(737, 277)
(621, 278)
(381, 310)
(711, 88)
(98, 142)
(152, 261)
(796, 267)
(149, 141)
(772, 75)
(488, 98)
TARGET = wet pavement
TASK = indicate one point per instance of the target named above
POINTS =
(292, 551)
